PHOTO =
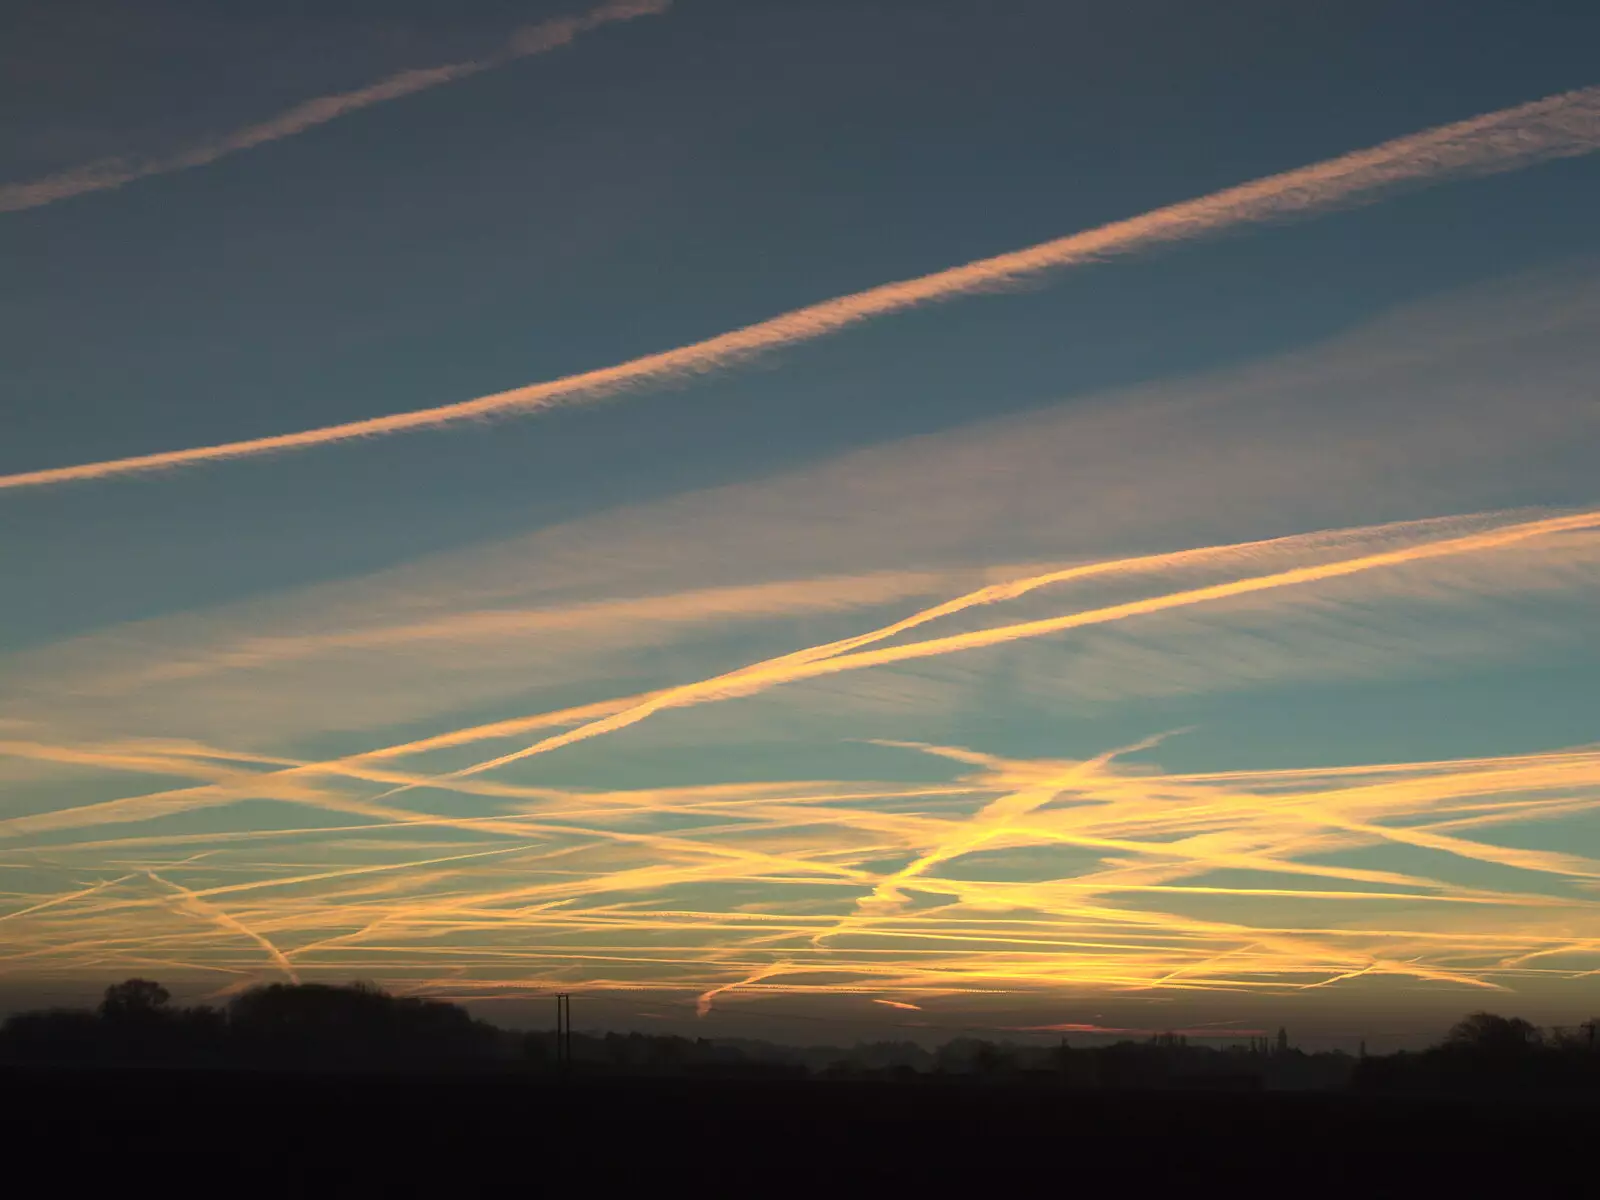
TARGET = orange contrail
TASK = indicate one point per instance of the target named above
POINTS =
(605, 716)
(228, 921)
(632, 708)
(595, 900)
(703, 1002)
(1558, 126)
(67, 898)
(807, 664)
(114, 173)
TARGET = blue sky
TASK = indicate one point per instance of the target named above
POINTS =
(1420, 355)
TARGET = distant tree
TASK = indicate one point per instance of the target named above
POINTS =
(134, 999)
(1493, 1034)
(355, 1024)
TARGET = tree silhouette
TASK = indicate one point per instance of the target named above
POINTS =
(134, 999)
(360, 1023)
(1489, 1033)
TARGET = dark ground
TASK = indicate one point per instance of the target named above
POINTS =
(180, 1132)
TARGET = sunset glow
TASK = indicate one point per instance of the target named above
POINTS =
(1189, 621)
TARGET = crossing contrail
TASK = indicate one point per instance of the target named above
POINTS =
(1558, 126)
(849, 655)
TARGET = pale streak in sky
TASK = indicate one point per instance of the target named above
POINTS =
(1559, 126)
(114, 173)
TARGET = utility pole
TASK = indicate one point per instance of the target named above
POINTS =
(563, 1032)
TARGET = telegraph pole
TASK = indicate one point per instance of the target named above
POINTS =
(563, 1032)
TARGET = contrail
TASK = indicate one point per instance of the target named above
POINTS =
(201, 908)
(703, 1003)
(835, 657)
(66, 899)
(113, 173)
(1461, 536)
(1157, 837)
(1559, 126)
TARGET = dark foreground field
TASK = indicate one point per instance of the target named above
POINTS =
(181, 1132)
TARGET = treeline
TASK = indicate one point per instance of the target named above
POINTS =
(1161, 1062)
(280, 1025)
(1491, 1054)
(359, 1026)
(340, 1027)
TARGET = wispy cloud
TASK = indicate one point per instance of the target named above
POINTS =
(114, 173)
(1558, 126)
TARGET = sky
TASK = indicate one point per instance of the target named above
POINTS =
(809, 520)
